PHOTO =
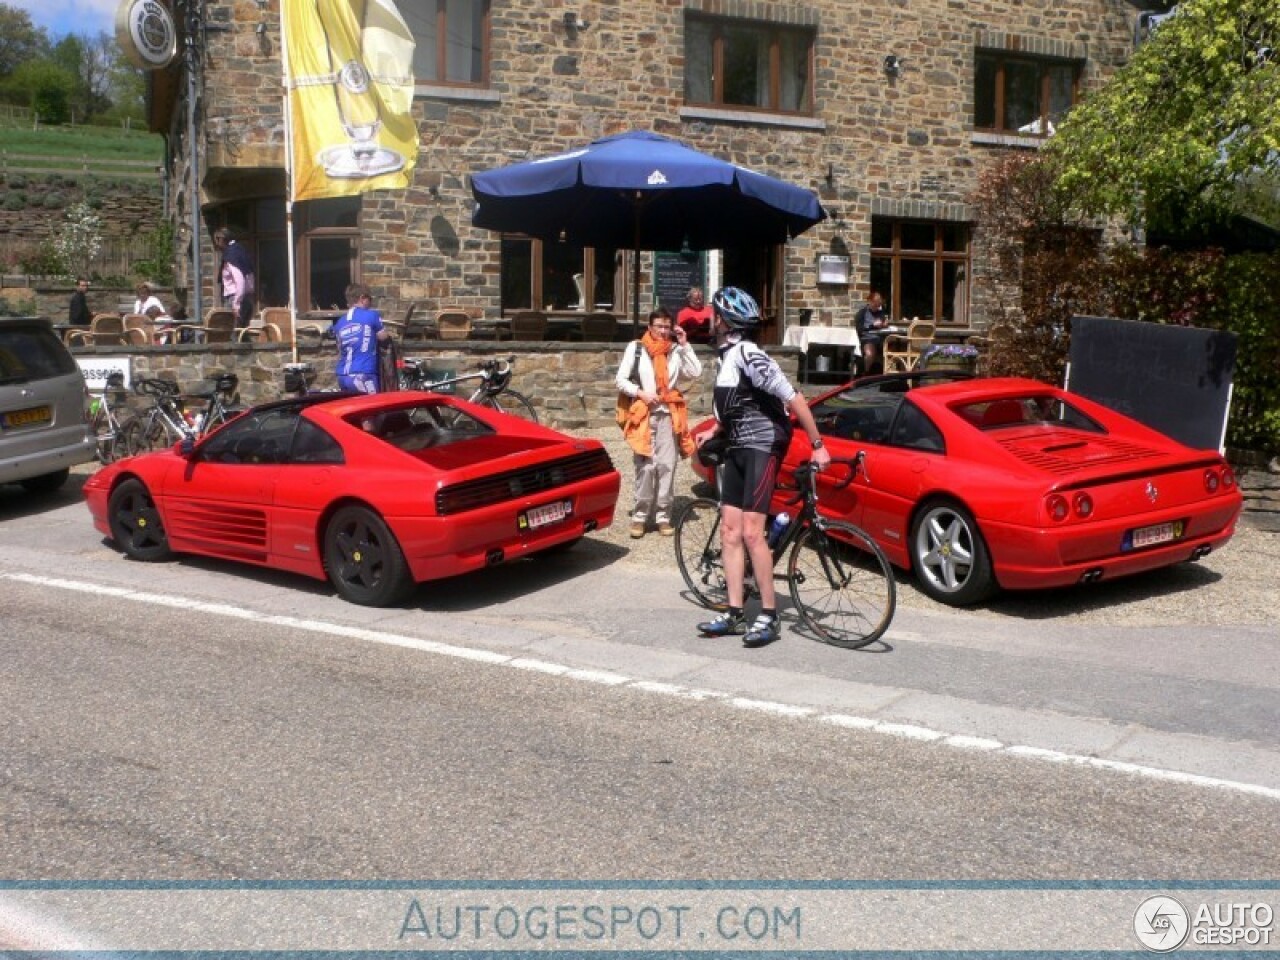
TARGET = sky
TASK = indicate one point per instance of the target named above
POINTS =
(60, 17)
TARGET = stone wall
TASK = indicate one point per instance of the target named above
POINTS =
(570, 384)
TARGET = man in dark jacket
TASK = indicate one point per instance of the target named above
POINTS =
(78, 311)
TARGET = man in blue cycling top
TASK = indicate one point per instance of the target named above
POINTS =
(358, 332)
(754, 403)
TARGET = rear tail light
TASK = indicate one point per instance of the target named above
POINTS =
(1211, 480)
(1060, 508)
(1228, 478)
(1057, 507)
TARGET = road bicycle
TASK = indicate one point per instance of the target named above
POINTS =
(104, 423)
(494, 390)
(168, 420)
(839, 580)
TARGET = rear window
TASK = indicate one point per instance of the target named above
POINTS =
(31, 352)
(1027, 411)
(421, 427)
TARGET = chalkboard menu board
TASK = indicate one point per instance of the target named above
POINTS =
(674, 274)
(1174, 379)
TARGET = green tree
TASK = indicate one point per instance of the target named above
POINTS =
(45, 87)
(1173, 140)
(20, 39)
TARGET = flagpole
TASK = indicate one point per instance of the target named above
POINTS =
(289, 191)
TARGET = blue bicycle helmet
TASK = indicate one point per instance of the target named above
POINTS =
(736, 307)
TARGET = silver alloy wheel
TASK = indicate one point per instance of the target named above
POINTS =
(944, 549)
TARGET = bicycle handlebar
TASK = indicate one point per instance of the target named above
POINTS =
(806, 472)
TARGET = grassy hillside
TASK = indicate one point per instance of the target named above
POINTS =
(107, 151)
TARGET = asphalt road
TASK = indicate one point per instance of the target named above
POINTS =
(558, 719)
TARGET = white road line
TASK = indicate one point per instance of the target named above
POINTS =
(791, 711)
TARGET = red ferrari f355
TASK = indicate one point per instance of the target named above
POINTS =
(376, 493)
(981, 484)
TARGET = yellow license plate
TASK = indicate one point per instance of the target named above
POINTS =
(28, 418)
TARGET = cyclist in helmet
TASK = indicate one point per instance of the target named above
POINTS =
(754, 403)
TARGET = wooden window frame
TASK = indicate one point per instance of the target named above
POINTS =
(773, 32)
(1001, 59)
(442, 48)
(938, 256)
(619, 294)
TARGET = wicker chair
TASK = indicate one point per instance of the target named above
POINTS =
(277, 326)
(105, 330)
(902, 352)
(453, 325)
(140, 329)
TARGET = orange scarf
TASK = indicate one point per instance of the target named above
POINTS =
(637, 432)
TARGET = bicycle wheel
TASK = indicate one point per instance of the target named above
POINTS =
(107, 433)
(513, 402)
(697, 542)
(146, 434)
(842, 585)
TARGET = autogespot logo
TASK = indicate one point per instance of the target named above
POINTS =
(1161, 924)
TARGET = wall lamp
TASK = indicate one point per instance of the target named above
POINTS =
(893, 65)
(573, 23)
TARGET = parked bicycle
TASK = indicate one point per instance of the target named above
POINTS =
(168, 420)
(840, 582)
(104, 422)
(494, 390)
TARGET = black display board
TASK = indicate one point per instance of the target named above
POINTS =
(1174, 379)
(674, 274)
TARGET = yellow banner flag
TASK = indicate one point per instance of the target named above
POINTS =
(349, 77)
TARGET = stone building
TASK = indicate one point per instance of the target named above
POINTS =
(889, 109)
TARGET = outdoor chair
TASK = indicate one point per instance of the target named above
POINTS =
(902, 351)
(140, 329)
(529, 325)
(453, 325)
(278, 327)
(105, 330)
(219, 327)
(414, 325)
(598, 327)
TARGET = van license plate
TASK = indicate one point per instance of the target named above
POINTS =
(28, 418)
(546, 514)
(1159, 533)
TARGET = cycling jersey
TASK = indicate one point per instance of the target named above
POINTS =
(751, 397)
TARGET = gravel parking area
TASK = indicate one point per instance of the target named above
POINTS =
(1238, 585)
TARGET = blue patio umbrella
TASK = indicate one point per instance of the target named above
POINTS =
(642, 191)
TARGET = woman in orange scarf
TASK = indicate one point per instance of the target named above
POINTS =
(652, 373)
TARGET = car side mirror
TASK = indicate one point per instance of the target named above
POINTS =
(187, 446)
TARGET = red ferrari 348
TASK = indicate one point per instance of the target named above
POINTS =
(981, 484)
(376, 493)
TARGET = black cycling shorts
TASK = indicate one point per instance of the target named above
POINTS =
(748, 478)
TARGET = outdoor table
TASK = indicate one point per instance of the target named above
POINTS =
(841, 338)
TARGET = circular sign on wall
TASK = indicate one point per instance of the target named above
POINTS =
(146, 33)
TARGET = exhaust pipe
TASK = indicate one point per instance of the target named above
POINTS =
(1091, 576)
(1200, 551)
(589, 525)
(493, 558)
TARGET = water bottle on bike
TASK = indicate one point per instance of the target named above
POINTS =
(777, 528)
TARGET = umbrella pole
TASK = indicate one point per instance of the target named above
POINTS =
(635, 293)
(635, 270)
